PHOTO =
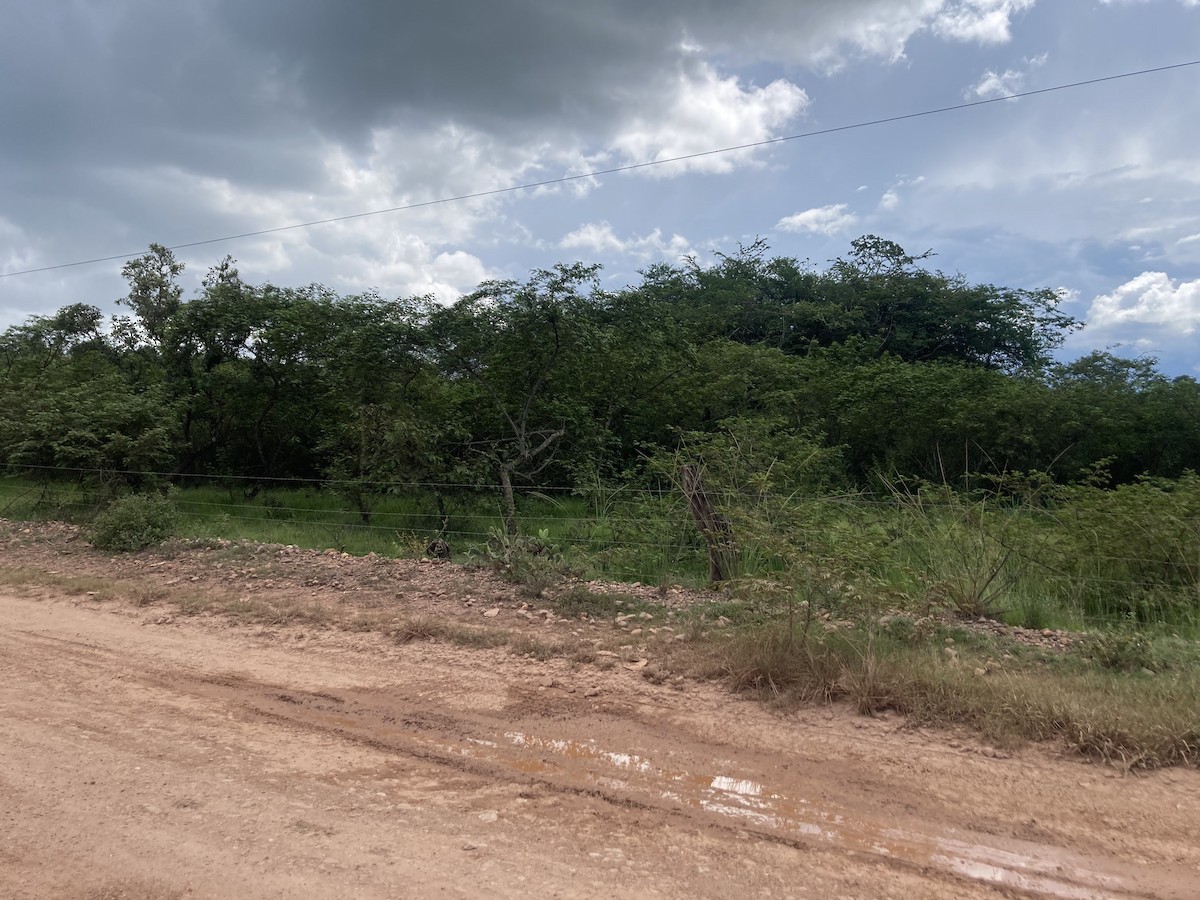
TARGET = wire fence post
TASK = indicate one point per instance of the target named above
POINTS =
(717, 532)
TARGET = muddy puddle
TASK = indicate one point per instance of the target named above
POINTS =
(721, 794)
(758, 807)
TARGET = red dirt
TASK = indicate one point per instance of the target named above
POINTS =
(149, 754)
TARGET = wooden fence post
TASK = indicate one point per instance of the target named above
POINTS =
(718, 533)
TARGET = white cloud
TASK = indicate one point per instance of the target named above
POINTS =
(981, 21)
(705, 112)
(1151, 298)
(996, 84)
(600, 238)
(891, 197)
(827, 220)
(1001, 84)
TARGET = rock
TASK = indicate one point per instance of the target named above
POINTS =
(640, 664)
(635, 632)
(592, 692)
(680, 637)
(547, 682)
(981, 672)
(470, 846)
(491, 613)
(950, 652)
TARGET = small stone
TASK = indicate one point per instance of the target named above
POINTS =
(491, 613)
(547, 682)
(470, 846)
(950, 652)
(981, 672)
(640, 664)
(592, 692)
(680, 637)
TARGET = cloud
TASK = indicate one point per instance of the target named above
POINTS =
(705, 111)
(980, 21)
(600, 238)
(1151, 298)
(1001, 84)
(826, 220)
(890, 200)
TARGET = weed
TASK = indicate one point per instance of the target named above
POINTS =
(583, 601)
(417, 628)
(523, 645)
(531, 561)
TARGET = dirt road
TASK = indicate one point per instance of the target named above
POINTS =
(192, 758)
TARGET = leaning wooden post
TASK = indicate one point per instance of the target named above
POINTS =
(718, 533)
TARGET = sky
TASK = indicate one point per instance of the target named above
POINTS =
(127, 122)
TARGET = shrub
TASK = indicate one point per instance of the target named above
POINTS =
(1123, 650)
(526, 560)
(134, 522)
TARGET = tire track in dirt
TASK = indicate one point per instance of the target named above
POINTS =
(623, 762)
(727, 803)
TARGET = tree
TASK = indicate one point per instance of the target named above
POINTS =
(923, 316)
(65, 402)
(154, 295)
(508, 341)
(386, 413)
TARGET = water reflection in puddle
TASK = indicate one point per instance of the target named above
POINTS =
(1045, 871)
(1038, 870)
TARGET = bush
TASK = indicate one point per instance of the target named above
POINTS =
(528, 560)
(1123, 650)
(134, 522)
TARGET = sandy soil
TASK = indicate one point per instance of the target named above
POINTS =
(149, 754)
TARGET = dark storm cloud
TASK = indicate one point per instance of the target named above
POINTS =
(119, 77)
(102, 100)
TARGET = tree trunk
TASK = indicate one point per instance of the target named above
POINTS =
(510, 502)
(718, 533)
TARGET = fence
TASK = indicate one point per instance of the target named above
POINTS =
(1071, 563)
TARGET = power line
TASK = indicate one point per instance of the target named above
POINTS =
(631, 167)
